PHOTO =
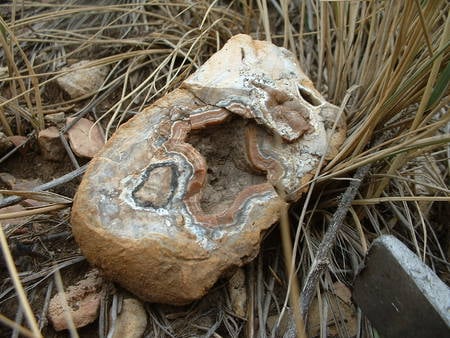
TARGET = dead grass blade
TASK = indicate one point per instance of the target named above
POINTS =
(18, 285)
(13, 325)
(42, 196)
(31, 212)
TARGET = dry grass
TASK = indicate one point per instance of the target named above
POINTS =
(386, 63)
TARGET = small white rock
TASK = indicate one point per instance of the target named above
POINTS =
(11, 221)
(82, 79)
(85, 138)
(50, 144)
(238, 293)
(5, 143)
(56, 118)
(132, 320)
(83, 300)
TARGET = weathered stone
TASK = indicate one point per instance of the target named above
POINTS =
(132, 320)
(9, 210)
(85, 138)
(401, 296)
(13, 183)
(182, 193)
(8, 180)
(26, 184)
(18, 140)
(340, 313)
(82, 79)
(50, 144)
(238, 293)
(56, 118)
(5, 143)
(83, 300)
(282, 325)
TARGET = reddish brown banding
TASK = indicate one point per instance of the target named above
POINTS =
(270, 166)
(229, 215)
(176, 143)
(179, 132)
(240, 109)
(208, 118)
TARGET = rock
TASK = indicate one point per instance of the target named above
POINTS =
(81, 79)
(10, 182)
(83, 300)
(11, 221)
(283, 328)
(183, 191)
(7, 180)
(132, 320)
(85, 138)
(341, 313)
(3, 72)
(56, 119)
(50, 144)
(13, 183)
(18, 140)
(5, 143)
(26, 184)
(238, 293)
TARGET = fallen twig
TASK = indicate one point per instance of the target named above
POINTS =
(31, 212)
(321, 260)
(49, 185)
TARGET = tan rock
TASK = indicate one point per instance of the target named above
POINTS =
(8, 180)
(83, 300)
(56, 118)
(5, 143)
(82, 79)
(183, 192)
(13, 183)
(50, 144)
(132, 320)
(18, 140)
(10, 210)
(25, 184)
(238, 293)
(341, 313)
(85, 138)
(283, 324)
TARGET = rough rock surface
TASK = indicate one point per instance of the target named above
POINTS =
(12, 209)
(182, 193)
(50, 144)
(57, 119)
(18, 140)
(82, 79)
(132, 320)
(13, 183)
(5, 143)
(238, 293)
(85, 138)
(83, 300)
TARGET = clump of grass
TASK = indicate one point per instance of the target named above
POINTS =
(386, 63)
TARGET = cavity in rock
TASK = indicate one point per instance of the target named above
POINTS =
(223, 147)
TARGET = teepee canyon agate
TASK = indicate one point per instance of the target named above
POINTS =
(181, 194)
